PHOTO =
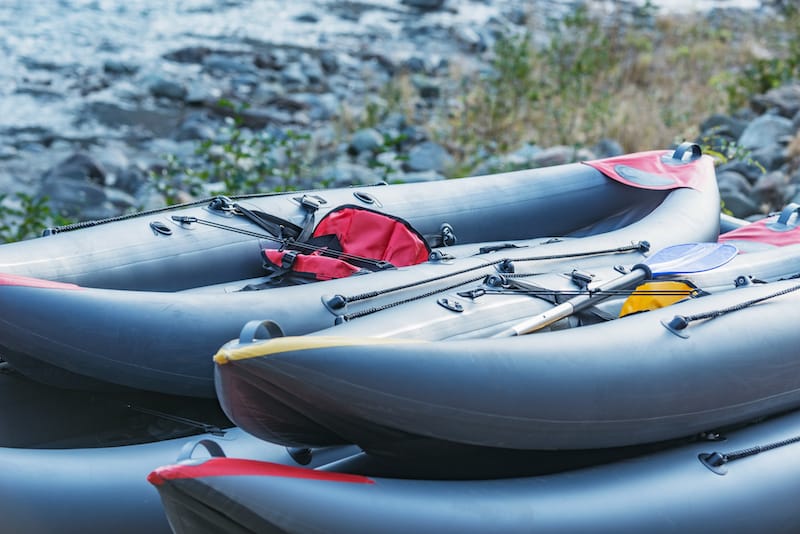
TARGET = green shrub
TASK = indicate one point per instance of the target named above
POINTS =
(28, 219)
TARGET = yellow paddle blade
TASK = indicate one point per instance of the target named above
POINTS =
(655, 295)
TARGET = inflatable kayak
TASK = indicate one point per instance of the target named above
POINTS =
(222, 239)
(75, 336)
(733, 480)
(415, 379)
(73, 461)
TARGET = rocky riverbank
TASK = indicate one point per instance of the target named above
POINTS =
(87, 124)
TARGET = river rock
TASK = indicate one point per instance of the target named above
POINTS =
(307, 17)
(75, 198)
(785, 100)
(770, 189)
(366, 140)
(607, 148)
(220, 63)
(189, 54)
(344, 174)
(738, 203)
(162, 87)
(746, 167)
(79, 167)
(425, 5)
(771, 157)
(423, 176)
(119, 67)
(733, 181)
(764, 131)
(294, 76)
(556, 155)
(719, 124)
(428, 156)
(196, 126)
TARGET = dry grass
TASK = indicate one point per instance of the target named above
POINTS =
(644, 87)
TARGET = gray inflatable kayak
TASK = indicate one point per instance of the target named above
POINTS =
(78, 336)
(214, 241)
(74, 461)
(734, 480)
(429, 376)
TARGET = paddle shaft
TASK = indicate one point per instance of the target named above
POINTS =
(576, 304)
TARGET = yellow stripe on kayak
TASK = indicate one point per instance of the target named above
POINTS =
(297, 343)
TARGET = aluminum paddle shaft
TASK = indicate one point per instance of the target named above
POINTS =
(678, 259)
(576, 304)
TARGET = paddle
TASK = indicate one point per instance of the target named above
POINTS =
(675, 260)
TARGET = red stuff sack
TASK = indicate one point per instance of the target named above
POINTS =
(349, 240)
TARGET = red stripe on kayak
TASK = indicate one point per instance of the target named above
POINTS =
(650, 170)
(26, 281)
(220, 467)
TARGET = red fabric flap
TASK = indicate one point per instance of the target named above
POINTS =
(313, 265)
(761, 232)
(654, 170)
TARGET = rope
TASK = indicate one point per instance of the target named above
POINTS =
(375, 309)
(304, 247)
(154, 211)
(716, 460)
(679, 322)
(377, 293)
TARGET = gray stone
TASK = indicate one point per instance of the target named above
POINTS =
(522, 157)
(764, 131)
(394, 121)
(189, 54)
(423, 176)
(119, 67)
(607, 148)
(415, 64)
(313, 70)
(739, 204)
(343, 174)
(770, 189)
(195, 127)
(469, 38)
(228, 64)
(557, 155)
(734, 181)
(293, 75)
(120, 199)
(77, 167)
(159, 122)
(366, 140)
(73, 197)
(320, 107)
(161, 87)
(424, 4)
(770, 157)
(308, 17)
(746, 168)
(329, 61)
(722, 125)
(426, 86)
(8, 152)
(198, 93)
(785, 100)
(428, 156)
(131, 179)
